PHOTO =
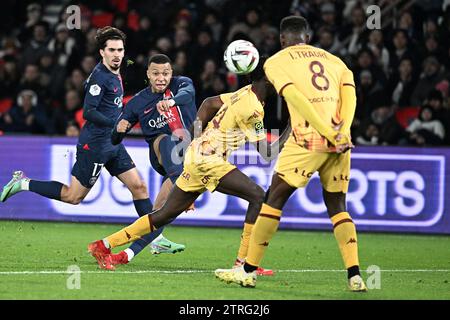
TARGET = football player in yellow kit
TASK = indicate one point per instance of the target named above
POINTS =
(320, 94)
(232, 119)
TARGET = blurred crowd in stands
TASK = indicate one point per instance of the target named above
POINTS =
(401, 71)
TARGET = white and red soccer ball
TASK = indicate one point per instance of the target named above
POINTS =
(241, 57)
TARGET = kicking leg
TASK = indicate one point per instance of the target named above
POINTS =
(143, 206)
(163, 147)
(158, 243)
(177, 202)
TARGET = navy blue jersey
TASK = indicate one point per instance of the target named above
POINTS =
(142, 108)
(102, 106)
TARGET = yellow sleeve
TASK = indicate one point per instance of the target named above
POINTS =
(348, 100)
(276, 76)
(250, 121)
(225, 97)
(307, 111)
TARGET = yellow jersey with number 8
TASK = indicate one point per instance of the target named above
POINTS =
(319, 76)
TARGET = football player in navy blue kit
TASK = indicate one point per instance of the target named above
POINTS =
(165, 111)
(102, 106)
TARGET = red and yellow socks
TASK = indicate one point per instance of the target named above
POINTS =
(133, 232)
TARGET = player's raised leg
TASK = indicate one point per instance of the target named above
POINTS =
(159, 244)
(165, 149)
(177, 202)
(72, 194)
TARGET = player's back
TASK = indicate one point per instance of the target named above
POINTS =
(318, 75)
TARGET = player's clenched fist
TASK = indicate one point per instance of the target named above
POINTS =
(123, 126)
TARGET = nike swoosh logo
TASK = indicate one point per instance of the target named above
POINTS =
(116, 89)
(148, 110)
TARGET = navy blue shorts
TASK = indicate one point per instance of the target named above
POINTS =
(89, 163)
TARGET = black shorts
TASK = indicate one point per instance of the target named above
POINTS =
(89, 163)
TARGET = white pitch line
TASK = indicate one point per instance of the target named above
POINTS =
(202, 271)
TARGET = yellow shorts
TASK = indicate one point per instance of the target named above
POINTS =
(296, 165)
(201, 173)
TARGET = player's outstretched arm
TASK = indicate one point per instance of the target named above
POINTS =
(270, 151)
(206, 112)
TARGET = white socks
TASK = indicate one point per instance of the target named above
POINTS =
(25, 184)
(106, 243)
(129, 253)
(158, 238)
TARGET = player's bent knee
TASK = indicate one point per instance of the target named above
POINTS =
(138, 188)
(258, 194)
(74, 200)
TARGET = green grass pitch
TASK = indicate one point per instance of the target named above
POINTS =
(36, 255)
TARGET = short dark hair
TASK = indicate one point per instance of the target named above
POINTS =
(159, 59)
(258, 73)
(294, 24)
(108, 33)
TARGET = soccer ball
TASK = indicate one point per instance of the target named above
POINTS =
(241, 57)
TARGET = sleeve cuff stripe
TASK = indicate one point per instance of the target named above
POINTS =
(282, 88)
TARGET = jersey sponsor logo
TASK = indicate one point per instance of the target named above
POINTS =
(324, 99)
(162, 120)
(118, 101)
(95, 90)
